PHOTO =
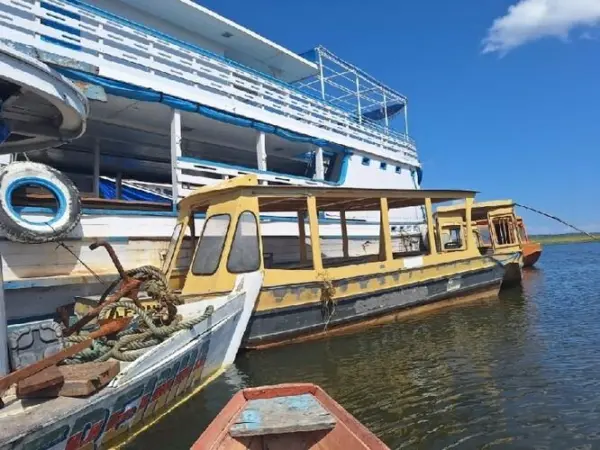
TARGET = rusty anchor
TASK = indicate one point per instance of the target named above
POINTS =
(129, 287)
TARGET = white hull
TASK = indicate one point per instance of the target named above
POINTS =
(157, 381)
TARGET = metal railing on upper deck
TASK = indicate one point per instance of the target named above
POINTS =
(132, 53)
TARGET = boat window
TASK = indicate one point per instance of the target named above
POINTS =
(452, 237)
(172, 245)
(210, 246)
(180, 260)
(398, 169)
(366, 161)
(484, 235)
(245, 254)
(383, 165)
(504, 230)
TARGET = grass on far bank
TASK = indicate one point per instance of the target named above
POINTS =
(564, 238)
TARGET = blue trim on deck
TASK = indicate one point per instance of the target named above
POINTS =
(135, 92)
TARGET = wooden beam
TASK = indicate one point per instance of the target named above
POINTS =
(468, 215)
(315, 241)
(385, 231)
(430, 228)
(302, 236)
(345, 249)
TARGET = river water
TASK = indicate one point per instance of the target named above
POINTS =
(519, 371)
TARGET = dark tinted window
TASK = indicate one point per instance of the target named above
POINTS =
(245, 254)
(210, 246)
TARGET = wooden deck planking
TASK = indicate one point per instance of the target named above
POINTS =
(286, 414)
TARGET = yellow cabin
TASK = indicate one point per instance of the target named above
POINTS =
(304, 293)
(496, 230)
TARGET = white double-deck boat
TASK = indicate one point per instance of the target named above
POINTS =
(179, 97)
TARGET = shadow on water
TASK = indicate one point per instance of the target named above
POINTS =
(520, 370)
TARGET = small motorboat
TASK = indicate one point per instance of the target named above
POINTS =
(285, 416)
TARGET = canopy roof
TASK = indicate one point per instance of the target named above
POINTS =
(293, 198)
(479, 210)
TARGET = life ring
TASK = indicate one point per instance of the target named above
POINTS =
(67, 214)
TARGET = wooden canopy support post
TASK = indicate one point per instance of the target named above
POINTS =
(319, 169)
(302, 236)
(3, 330)
(468, 219)
(315, 242)
(385, 241)
(97, 168)
(345, 248)
(261, 152)
(430, 228)
(175, 154)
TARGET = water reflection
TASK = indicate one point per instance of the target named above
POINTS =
(520, 370)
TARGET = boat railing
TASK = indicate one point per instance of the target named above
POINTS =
(195, 173)
(119, 49)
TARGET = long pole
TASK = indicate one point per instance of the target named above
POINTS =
(550, 216)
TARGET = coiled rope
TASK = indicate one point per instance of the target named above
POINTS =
(143, 332)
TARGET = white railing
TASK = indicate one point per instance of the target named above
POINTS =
(194, 174)
(128, 52)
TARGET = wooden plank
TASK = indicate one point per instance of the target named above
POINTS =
(47, 378)
(85, 379)
(289, 414)
(76, 380)
(110, 328)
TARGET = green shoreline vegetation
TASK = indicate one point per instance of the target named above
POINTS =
(564, 238)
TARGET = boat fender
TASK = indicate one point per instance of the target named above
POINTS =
(68, 210)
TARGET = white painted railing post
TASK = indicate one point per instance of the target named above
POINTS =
(261, 152)
(4, 369)
(319, 170)
(175, 153)
(97, 167)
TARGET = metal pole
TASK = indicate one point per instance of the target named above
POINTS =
(322, 78)
(358, 97)
(118, 185)
(387, 123)
(406, 118)
(4, 369)
(97, 168)
(175, 154)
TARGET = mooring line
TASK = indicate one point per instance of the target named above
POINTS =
(596, 238)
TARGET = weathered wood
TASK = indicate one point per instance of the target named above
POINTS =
(85, 379)
(78, 380)
(113, 327)
(47, 378)
(289, 414)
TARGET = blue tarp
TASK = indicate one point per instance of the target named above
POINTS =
(148, 95)
(108, 190)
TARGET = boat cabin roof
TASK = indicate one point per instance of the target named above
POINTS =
(293, 198)
(479, 210)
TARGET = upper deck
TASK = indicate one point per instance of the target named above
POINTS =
(157, 48)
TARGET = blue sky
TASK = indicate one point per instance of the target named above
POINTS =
(503, 101)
